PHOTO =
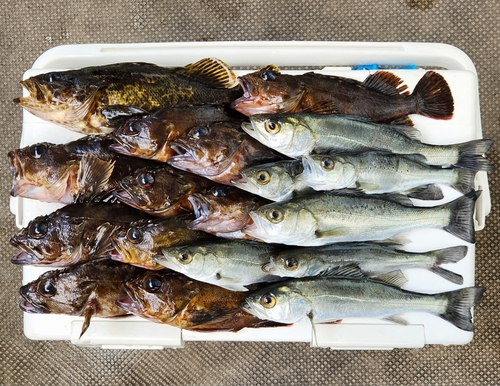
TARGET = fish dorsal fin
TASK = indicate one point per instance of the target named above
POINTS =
(386, 83)
(93, 175)
(271, 67)
(214, 72)
(394, 278)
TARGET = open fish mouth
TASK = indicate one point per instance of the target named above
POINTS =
(26, 306)
(37, 93)
(25, 258)
(125, 196)
(201, 211)
(120, 146)
(127, 302)
(247, 96)
(239, 182)
(183, 153)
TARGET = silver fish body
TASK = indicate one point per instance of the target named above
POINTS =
(328, 299)
(300, 134)
(229, 264)
(331, 217)
(376, 173)
(371, 258)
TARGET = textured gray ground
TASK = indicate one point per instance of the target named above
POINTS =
(29, 28)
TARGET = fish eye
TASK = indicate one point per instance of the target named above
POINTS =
(268, 301)
(146, 179)
(51, 78)
(263, 177)
(133, 128)
(38, 229)
(200, 131)
(185, 257)
(291, 264)
(152, 283)
(219, 192)
(38, 151)
(275, 215)
(327, 163)
(47, 288)
(135, 235)
(268, 75)
(272, 127)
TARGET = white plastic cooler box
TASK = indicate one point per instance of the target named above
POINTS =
(336, 58)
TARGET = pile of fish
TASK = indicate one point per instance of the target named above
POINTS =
(214, 202)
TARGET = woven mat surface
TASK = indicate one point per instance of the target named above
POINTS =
(29, 28)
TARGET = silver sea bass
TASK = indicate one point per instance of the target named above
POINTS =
(298, 134)
(229, 264)
(330, 217)
(376, 173)
(371, 258)
(332, 299)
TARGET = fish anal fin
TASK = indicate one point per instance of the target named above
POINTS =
(386, 82)
(214, 72)
(398, 319)
(93, 175)
(394, 278)
(428, 192)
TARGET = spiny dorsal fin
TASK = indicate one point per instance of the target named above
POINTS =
(387, 83)
(214, 72)
(271, 67)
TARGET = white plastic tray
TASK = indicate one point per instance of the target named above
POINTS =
(332, 58)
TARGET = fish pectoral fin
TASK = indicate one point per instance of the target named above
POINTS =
(102, 242)
(337, 232)
(79, 112)
(398, 319)
(213, 72)
(93, 175)
(121, 111)
(322, 107)
(351, 271)
(230, 283)
(394, 278)
(387, 83)
(89, 310)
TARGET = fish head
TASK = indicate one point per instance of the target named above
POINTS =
(55, 97)
(268, 91)
(137, 243)
(50, 240)
(274, 181)
(144, 137)
(56, 292)
(207, 150)
(285, 133)
(287, 265)
(283, 222)
(187, 259)
(157, 295)
(222, 209)
(158, 190)
(326, 172)
(44, 172)
(279, 303)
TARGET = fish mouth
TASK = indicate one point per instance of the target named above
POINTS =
(30, 308)
(239, 182)
(25, 258)
(127, 303)
(120, 147)
(16, 171)
(201, 211)
(182, 153)
(37, 93)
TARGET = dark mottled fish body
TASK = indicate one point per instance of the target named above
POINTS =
(89, 99)
(171, 298)
(138, 242)
(381, 97)
(149, 136)
(89, 289)
(71, 235)
(78, 171)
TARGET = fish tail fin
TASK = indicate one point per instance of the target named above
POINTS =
(471, 155)
(434, 98)
(458, 310)
(461, 220)
(465, 182)
(449, 255)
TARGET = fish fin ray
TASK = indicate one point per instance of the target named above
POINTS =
(214, 72)
(93, 175)
(471, 155)
(351, 271)
(448, 275)
(434, 97)
(428, 192)
(460, 302)
(321, 107)
(387, 83)
(461, 221)
(79, 112)
(113, 112)
(398, 319)
(451, 254)
(394, 278)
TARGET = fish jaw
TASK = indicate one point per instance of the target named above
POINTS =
(128, 304)
(24, 258)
